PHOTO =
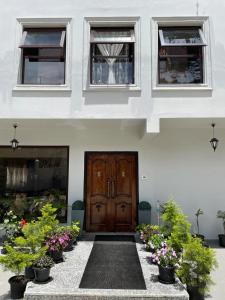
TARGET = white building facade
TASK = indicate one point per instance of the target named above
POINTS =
(98, 84)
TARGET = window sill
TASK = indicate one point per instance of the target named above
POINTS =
(41, 88)
(116, 87)
(190, 87)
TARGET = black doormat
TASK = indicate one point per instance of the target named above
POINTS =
(114, 238)
(113, 265)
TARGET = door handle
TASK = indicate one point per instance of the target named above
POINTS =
(108, 188)
(113, 188)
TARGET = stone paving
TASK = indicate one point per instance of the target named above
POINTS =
(67, 276)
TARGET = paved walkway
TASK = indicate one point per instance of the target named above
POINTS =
(217, 291)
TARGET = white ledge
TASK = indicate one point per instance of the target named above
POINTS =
(187, 87)
(40, 88)
(116, 87)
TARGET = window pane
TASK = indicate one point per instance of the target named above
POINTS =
(180, 36)
(32, 176)
(113, 35)
(112, 64)
(180, 65)
(44, 71)
(43, 38)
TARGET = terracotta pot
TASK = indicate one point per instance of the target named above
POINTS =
(166, 275)
(17, 286)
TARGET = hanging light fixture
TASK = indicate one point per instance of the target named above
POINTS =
(214, 141)
(14, 142)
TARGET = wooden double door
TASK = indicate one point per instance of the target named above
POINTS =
(111, 191)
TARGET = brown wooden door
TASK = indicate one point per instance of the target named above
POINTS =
(111, 192)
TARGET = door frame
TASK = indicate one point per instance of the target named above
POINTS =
(86, 155)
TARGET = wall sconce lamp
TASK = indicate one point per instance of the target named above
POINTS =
(214, 141)
(14, 142)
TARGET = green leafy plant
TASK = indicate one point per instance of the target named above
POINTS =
(16, 260)
(139, 228)
(165, 256)
(175, 226)
(11, 225)
(155, 242)
(197, 214)
(221, 215)
(148, 231)
(44, 262)
(196, 264)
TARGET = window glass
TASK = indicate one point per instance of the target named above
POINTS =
(32, 176)
(42, 38)
(181, 37)
(112, 56)
(180, 63)
(43, 57)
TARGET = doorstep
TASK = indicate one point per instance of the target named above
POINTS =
(66, 277)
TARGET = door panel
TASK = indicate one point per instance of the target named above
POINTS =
(111, 191)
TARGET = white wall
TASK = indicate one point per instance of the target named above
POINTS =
(121, 104)
(177, 162)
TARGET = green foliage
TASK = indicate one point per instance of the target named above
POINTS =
(196, 264)
(11, 225)
(175, 226)
(44, 262)
(47, 221)
(180, 233)
(170, 212)
(155, 242)
(140, 227)
(16, 260)
(221, 215)
(148, 231)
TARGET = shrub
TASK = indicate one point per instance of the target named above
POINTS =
(155, 242)
(196, 265)
(44, 262)
(148, 231)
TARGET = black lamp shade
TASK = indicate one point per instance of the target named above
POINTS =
(214, 143)
(14, 144)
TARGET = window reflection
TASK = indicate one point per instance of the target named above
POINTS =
(32, 176)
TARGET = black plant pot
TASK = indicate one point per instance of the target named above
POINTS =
(29, 272)
(57, 256)
(194, 293)
(166, 275)
(17, 286)
(221, 240)
(69, 247)
(41, 275)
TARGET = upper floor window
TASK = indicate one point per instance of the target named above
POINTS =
(43, 56)
(112, 56)
(180, 55)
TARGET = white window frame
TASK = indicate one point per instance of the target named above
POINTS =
(207, 63)
(90, 22)
(41, 23)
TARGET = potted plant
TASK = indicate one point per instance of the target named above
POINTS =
(147, 230)
(42, 268)
(167, 260)
(56, 244)
(155, 242)
(197, 214)
(196, 264)
(221, 215)
(15, 261)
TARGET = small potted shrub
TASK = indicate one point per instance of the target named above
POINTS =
(167, 260)
(16, 261)
(42, 268)
(146, 231)
(155, 242)
(196, 264)
(221, 215)
(56, 244)
(197, 214)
